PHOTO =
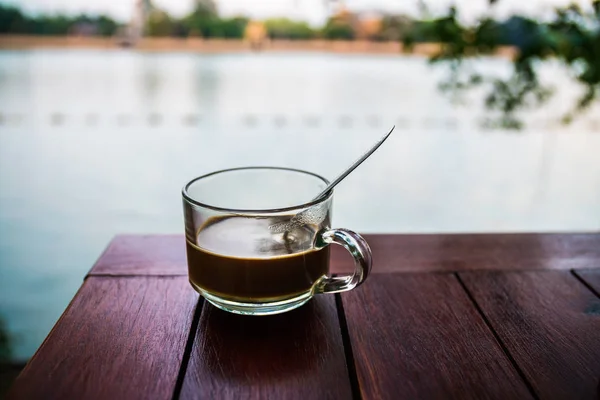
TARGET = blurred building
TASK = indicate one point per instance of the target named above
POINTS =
(335, 7)
(366, 25)
(255, 34)
(134, 31)
(395, 27)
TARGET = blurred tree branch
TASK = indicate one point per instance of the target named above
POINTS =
(572, 37)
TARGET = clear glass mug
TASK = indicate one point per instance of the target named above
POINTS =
(257, 245)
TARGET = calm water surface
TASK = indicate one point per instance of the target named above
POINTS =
(98, 143)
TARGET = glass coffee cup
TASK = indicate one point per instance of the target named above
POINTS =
(256, 244)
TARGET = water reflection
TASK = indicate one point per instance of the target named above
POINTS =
(311, 121)
(280, 121)
(123, 119)
(91, 119)
(155, 119)
(345, 121)
(191, 119)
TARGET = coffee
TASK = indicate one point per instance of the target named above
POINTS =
(237, 259)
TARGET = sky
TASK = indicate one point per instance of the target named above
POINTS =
(313, 11)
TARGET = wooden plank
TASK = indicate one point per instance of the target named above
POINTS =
(296, 355)
(460, 252)
(143, 255)
(591, 277)
(165, 254)
(550, 324)
(120, 338)
(419, 336)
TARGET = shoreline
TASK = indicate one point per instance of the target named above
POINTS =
(198, 45)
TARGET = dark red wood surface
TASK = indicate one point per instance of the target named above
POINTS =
(550, 324)
(165, 254)
(296, 355)
(118, 339)
(419, 336)
(460, 252)
(143, 255)
(134, 330)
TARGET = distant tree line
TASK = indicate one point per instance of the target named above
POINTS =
(205, 21)
(13, 20)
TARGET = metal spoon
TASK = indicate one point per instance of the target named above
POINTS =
(354, 165)
(317, 213)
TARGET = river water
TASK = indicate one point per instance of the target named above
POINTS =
(95, 143)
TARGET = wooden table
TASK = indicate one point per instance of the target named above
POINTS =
(442, 316)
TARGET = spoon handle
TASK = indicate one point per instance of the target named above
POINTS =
(355, 164)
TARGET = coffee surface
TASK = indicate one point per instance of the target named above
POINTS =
(240, 259)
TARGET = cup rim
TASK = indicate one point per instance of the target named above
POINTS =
(190, 200)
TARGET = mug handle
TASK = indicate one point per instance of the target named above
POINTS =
(363, 259)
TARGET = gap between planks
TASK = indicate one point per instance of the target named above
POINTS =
(350, 363)
(497, 337)
(582, 280)
(348, 353)
(188, 348)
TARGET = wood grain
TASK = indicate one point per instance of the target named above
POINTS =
(143, 255)
(165, 254)
(590, 277)
(118, 339)
(461, 252)
(550, 324)
(419, 336)
(296, 355)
